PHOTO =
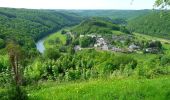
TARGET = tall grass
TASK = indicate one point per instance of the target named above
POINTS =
(110, 89)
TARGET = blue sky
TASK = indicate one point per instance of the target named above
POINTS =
(78, 4)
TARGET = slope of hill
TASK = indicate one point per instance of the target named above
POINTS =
(105, 90)
(99, 26)
(155, 24)
(26, 26)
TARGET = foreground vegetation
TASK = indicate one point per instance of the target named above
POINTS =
(107, 89)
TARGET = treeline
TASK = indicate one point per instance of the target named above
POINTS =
(27, 26)
(155, 24)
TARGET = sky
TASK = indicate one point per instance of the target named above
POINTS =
(78, 4)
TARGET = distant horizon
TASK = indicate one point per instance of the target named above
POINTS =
(79, 4)
(73, 9)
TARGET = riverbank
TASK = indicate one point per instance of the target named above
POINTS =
(42, 44)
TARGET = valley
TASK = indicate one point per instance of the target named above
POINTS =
(82, 54)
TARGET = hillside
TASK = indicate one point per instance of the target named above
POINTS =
(154, 24)
(27, 26)
(99, 26)
(106, 89)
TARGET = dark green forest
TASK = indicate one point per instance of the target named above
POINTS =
(27, 26)
(99, 26)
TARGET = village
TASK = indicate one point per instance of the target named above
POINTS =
(102, 43)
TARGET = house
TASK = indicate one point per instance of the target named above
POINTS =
(105, 47)
(151, 50)
(116, 49)
(134, 47)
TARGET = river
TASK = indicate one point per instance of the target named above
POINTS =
(40, 46)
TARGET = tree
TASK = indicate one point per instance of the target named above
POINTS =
(162, 3)
(15, 56)
(86, 41)
(16, 60)
(63, 32)
(52, 53)
(2, 43)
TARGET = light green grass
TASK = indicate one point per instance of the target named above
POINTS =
(53, 37)
(117, 32)
(113, 89)
(140, 36)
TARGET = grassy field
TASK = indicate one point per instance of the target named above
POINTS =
(111, 89)
(117, 32)
(143, 36)
(53, 37)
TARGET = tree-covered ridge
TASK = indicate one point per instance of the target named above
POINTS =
(99, 26)
(26, 26)
(126, 14)
(155, 24)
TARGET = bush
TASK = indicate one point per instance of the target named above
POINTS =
(2, 43)
(118, 63)
(86, 41)
(63, 49)
(17, 93)
(72, 74)
(52, 53)
(165, 60)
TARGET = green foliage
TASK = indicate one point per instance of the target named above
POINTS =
(63, 32)
(2, 43)
(154, 24)
(117, 63)
(104, 89)
(165, 60)
(125, 14)
(52, 53)
(98, 26)
(162, 3)
(27, 26)
(153, 44)
(55, 40)
(87, 41)
(4, 63)
(17, 93)
(82, 65)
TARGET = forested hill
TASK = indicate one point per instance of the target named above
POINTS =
(99, 26)
(27, 26)
(154, 24)
(126, 14)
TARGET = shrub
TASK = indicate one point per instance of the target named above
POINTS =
(72, 74)
(17, 93)
(86, 41)
(2, 43)
(165, 60)
(52, 53)
(63, 49)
